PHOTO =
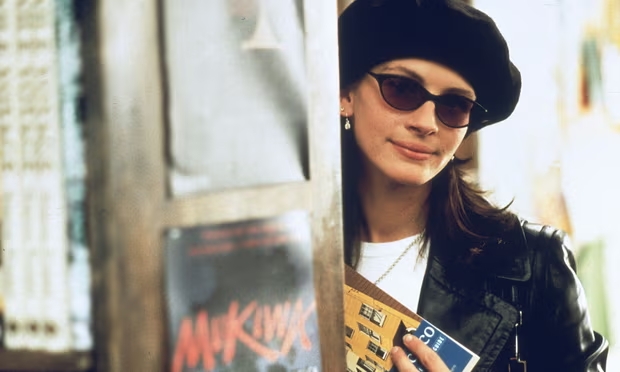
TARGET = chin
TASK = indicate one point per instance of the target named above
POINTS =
(413, 183)
(409, 180)
(407, 176)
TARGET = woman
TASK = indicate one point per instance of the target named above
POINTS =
(417, 77)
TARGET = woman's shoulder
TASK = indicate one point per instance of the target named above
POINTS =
(547, 238)
(545, 244)
(540, 258)
(527, 247)
(511, 248)
(552, 260)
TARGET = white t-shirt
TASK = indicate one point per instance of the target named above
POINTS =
(404, 282)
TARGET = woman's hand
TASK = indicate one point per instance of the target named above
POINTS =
(422, 352)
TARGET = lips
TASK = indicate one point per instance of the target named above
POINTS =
(413, 151)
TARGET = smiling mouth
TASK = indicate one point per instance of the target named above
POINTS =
(412, 151)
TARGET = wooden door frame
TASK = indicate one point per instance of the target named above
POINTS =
(129, 207)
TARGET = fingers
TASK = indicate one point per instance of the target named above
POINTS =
(424, 354)
(401, 360)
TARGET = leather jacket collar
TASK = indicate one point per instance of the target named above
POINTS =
(521, 268)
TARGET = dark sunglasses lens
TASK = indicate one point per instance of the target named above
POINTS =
(402, 93)
(454, 110)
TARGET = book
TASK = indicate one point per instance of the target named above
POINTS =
(75, 174)
(240, 296)
(34, 285)
(375, 322)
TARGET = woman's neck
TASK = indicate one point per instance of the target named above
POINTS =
(393, 211)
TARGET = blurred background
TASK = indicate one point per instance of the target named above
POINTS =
(103, 145)
(556, 155)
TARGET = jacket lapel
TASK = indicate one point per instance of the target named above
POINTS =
(471, 314)
(475, 318)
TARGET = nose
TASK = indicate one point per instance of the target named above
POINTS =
(423, 120)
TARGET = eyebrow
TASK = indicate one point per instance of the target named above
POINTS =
(415, 76)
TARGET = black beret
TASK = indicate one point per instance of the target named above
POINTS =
(449, 32)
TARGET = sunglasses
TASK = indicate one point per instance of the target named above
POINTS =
(406, 94)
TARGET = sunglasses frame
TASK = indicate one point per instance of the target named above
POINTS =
(428, 96)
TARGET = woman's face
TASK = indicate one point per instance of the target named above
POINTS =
(407, 147)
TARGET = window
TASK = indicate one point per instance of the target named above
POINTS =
(365, 366)
(372, 347)
(366, 311)
(369, 332)
(378, 318)
(348, 331)
(375, 349)
(373, 315)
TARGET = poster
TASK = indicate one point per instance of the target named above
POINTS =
(240, 297)
(236, 93)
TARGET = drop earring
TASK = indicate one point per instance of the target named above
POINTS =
(347, 122)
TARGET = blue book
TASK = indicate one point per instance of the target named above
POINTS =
(455, 355)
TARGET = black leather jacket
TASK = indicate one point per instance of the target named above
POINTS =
(556, 334)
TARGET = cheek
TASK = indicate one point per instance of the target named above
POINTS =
(367, 129)
(455, 140)
(371, 136)
(366, 140)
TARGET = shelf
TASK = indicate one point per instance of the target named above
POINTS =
(18, 360)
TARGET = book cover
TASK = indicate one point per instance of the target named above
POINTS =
(375, 322)
(241, 296)
(34, 284)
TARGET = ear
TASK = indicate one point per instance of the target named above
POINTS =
(346, 102)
